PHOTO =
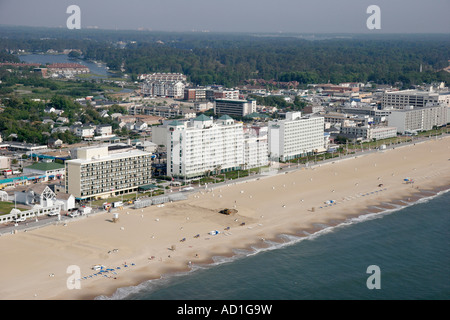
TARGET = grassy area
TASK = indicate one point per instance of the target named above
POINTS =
(231, 175)
(6, 207)
(127, 197)
(318, 157)
(88, 76)
(81, 86)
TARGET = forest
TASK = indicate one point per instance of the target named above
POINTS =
(233, 59)
(21, 119)
(334, 61)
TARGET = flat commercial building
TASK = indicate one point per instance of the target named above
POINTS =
(194, 94)
(233, 107)
(413, 119)
(343, 118)
(295, 136)
(51, 170)
(232, 94)
(416, 98)
(369, 133)
(378, 115)
(98, 173)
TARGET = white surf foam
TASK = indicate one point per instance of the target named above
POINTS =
(287, 240)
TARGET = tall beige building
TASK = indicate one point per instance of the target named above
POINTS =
(99, 173)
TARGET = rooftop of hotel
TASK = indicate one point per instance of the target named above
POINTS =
(111, 156)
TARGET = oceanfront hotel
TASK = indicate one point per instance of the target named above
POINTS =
(295, 136)
(202, 145)
(100, 173)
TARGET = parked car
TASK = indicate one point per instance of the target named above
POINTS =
(74, 214)
(20, 219)
(117, 204)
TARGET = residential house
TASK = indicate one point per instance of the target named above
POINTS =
(103, 130)
(140, 126)
(84, 132)
(60, 129)
(54, 143)
(48, 121)
(62, 120)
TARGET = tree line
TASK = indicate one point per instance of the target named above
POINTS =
(231, 59)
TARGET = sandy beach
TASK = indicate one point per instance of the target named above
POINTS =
(147, 243)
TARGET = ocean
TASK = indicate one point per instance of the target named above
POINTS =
(409, 247)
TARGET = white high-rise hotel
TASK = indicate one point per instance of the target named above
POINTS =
(295, 136)
(201, 146)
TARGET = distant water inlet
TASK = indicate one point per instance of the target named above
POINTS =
(96, 68)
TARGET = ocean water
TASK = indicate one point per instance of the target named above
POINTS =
(409, 245)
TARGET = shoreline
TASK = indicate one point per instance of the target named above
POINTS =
(283, 239)
(272, 209)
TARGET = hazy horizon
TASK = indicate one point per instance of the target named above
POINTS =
(245, 16)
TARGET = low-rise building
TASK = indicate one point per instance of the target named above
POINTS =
(369, 133)
(46, 170)
(221, 93)
(239, 108)
(67, 69)
(194, 94)
(84, 132)
(66, 200)
(103, 130)
(36, 194)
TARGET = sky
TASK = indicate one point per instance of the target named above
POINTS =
(297, 16)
